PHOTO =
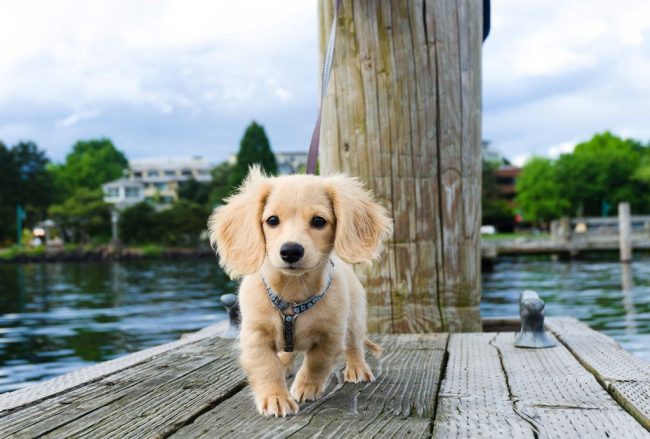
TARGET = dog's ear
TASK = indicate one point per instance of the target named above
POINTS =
(236, 227)
(361, 223)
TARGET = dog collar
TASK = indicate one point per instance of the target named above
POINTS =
(297, 308)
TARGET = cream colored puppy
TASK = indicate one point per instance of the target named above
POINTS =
(296, 236)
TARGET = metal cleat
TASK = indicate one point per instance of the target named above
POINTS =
(531, 313)
(231, 303)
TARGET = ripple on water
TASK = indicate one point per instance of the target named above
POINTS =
(592, 291)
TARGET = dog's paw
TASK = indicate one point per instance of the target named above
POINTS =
(276, 405)
(358, 373)
(303, 390)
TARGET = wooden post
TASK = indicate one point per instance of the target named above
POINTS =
(403, 112)
(625, 231)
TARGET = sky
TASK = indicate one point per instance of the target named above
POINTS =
(171, 77)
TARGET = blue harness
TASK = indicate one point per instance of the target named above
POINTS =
(297, 308)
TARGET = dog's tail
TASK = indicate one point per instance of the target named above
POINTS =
(372, 347)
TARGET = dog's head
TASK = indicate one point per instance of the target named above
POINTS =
(296, 221)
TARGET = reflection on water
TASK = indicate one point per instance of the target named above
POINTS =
(609, 296)
(55, 318)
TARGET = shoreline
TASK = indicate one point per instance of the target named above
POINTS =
(104, 253)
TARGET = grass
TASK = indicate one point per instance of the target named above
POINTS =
(15, 251)
(152, 250)
(510, 236)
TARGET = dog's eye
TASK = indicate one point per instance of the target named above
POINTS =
(273, 221)
(318, 222)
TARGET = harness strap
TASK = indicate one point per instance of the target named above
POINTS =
(297, 308)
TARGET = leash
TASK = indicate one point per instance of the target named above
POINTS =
(312, 157)
(297, 308)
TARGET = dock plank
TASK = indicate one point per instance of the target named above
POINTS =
(626, 377)
(155, 397)
(399, 403)
(559, 397)
(474, 400)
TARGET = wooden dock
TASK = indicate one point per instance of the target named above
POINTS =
(428, 385)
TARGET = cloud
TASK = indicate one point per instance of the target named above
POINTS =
(557, 72)
(75, 118)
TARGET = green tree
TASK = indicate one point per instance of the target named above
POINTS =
(33, 188)
(220, 189)
(254, 148)
(90, 164)
(195, 191)
(137, 224)
(538, 192)
(24, 181)
(494, 209)
(599, 174)
(181, 224)
(83, 216)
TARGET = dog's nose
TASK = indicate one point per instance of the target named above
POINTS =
(291, 252)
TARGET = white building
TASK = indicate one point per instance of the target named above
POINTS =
(123, 192)
(161, 176)
(155, 179)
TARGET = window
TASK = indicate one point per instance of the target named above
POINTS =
(170, 173)
(167, 199)
(113, 192)
(161, 186)
(137, 174)
(187, 172)
(132, 192)
(152, 173)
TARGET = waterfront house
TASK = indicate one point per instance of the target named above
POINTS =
(123, 192)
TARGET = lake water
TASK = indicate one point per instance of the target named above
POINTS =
(55, 318)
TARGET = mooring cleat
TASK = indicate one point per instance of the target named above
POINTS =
(231, 303)
(531, 314)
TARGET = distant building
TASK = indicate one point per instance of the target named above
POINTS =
(507, 181)
(291, 162)
(123, 192)
(161, 176)
(155, 179)
(490, 154)
(288, 162)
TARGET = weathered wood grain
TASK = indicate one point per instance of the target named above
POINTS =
(560, 398)
(399, 403)
(626, 377)
(154, 397)
(474, 399)
(403, 113)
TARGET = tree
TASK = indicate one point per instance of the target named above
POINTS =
(195, 191)
(495, 210)
(24, 181)
(538, 192)
(254, 148)
(137, 224)
(220, 189)
(181, 224)
(34, 185)
(83, 216)
(597, 175)
(90, 164)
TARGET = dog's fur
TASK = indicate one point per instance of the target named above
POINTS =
(248, 247)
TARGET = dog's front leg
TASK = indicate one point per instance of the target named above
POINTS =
(314, 374)
(266, 375)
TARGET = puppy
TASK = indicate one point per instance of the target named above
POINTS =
(296, 237)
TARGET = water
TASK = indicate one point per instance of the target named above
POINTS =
(610, 297)
(55, 318)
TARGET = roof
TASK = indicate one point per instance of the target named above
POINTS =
(195, 162)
